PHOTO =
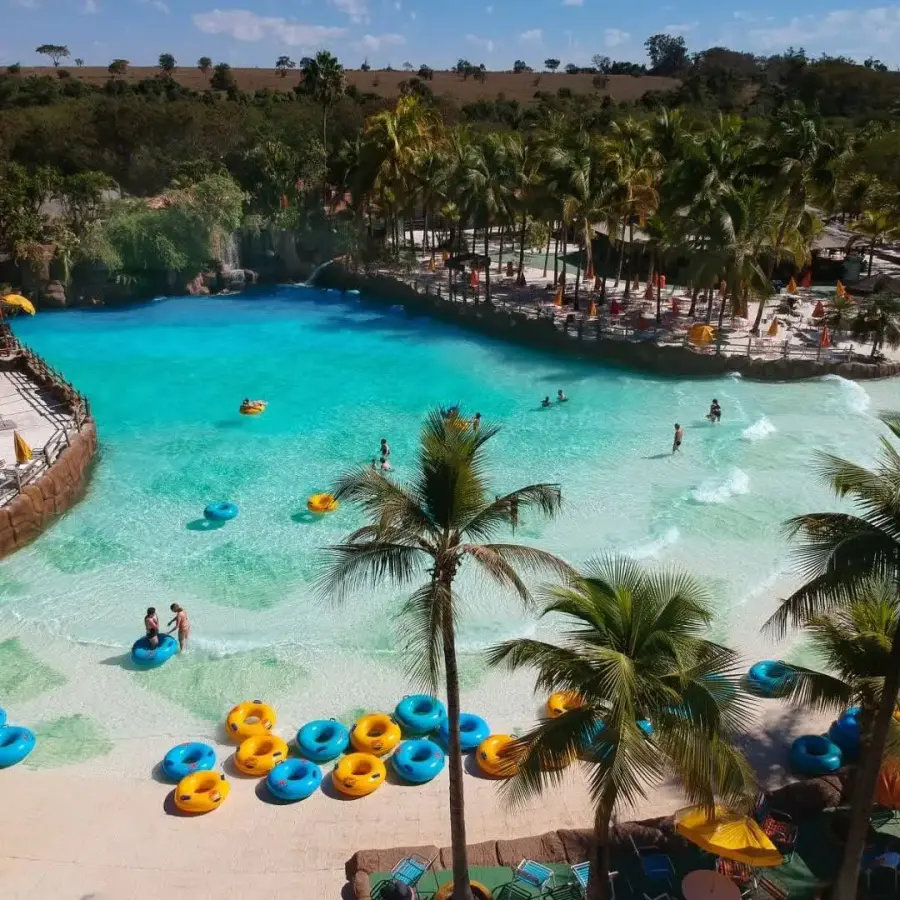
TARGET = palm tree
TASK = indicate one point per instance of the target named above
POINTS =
(633, 650)
(879, 321)
(426, 531)
(322, 78)
(875, 225)
(838, 555)
(840, 313)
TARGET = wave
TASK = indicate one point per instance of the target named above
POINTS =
(737, 483)
(734, 375)
(760, 429)
(655, 548)
(856, 395)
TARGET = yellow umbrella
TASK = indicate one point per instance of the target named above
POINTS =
(23, 451)
(773, 329)
(18, 300)
(700, 334)
(792, 287)
(727, 834)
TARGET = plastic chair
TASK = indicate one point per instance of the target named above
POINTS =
(410, 870)
(582, 871)
(781, 830)
(655, 864)
(531, 874)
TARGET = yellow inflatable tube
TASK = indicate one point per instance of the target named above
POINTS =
(259, 755)
(377, 734)
(253, 408)
(250, 719)
(321, 503)
(359, 774)
(201, 792)
(561, 702)
(489, 759)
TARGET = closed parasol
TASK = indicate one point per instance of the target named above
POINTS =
(773, 329)
(792, 287)
(841, 291)
(825, 339)
(18, 301)
(728, 834)
(806, 281)
(819, 310)
(558, 298)
(614, 308)
(23, 451)
(592, 309)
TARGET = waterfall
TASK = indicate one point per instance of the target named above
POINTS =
(231, 254)
(311, 280)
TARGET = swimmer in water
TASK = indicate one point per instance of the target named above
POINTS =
(560, 396)
(715, 412)
(182, 624)
(679, 437)
(153, 638)
(476, 421)
(545, 402)
(385, 451)
(151, 620)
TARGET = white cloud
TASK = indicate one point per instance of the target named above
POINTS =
(398, 5)
(487, 43)
(489, 9)
(533, 35)
(615, 37)
(26, 4)
(355, 10)
(573, 2)
(412, 16)
(243, 25)
(90, 8)
(374, 42)
(841, 31)
(158, 5)
(683, 28)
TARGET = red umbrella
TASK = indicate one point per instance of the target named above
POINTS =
(807, 279)
(614, 308)
(819, 311)
(825, 340)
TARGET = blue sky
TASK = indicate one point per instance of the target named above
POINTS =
(495, 32)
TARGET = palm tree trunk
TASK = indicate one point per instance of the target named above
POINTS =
(474, 235)
(650, 281)
(722, 320)
(325, 126)
(522, 248)
(547, 254)
(609, 250)
(578, 274)
(710, 294)
(630, 271)
(759, 314)
(487, 266)
(556, 261)
(871, 255)
(461, 889)
(694, 292)
(598, 877)
(621, 253)
(565, 234)
(866, 778)
(500, 257)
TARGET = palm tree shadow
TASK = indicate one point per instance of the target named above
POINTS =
(766, 748)
(205, 525)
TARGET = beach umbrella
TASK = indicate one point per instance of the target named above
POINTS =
(825, 340)
(807, 279)
(592, 309)
(887, 790)
(473, 278)
(701, 333)
(662, 281)
(558, 297)
(841, 290)
(431, 264)
(773, 329)
(614, 308)
(19, 301)
(728, 834)
(819, 311)
(23, 451)
(792, 286)
(676, 306)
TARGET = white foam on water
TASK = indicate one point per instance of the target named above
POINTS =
(760, 429)
(858, 399)
(734, 375)
(655, 548)
(736, 483)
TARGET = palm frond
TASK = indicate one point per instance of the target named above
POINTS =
(351, 567)
(423, 619)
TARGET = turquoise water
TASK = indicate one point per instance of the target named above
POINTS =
(165, 381)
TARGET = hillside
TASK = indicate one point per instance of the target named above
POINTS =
(521, 87)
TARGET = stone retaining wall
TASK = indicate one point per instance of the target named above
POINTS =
(542, 334)
(56, 491)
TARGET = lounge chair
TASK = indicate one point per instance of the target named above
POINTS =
(771, 890)
(410, 870)
(581, 871)
(655, 864)
(527, 876)
(781, 830)
(740, 873)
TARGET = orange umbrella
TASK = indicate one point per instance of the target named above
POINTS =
(676, 307)
(558, 299)
(807, 279)
(887, 791)
(792, 287)
(23, 451)
(773, 329)
(592, 309)
(19, 301)
(819, 311)
(662, 281)
(841, 290)
(473, 278)
(589, 271)
(825, 340)
(431, 264)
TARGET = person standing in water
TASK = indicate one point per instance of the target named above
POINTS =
(385, 451)
(151, 620)
(545, 403)
(679, 437)
(715, 412)
(560, 396)
(476, 422)
(181, 624)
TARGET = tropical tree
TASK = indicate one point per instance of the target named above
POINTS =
(656, 697)
(204, 64)
(838, 555)
(167, 63)
(56, 52)
(425, 532)
(874, 225)
(283, 65)
(551, 65)
(118, 67)
(322, 78)
(79, 62)
(222, 78)
(879, 321)
(840, 314)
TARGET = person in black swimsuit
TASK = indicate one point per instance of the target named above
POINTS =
(679, 437)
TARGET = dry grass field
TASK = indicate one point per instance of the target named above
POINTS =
(521, 87)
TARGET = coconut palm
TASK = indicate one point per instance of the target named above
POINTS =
(424, 532)
(322, 78)
(874, 225)
(840, 313)
(632, 648)
(839, 553)
(879, 321)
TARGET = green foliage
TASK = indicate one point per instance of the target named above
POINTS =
(204, 64)
(56, 52)
(551, 65)
(223, 78)
(520, 66)
(668, 54)
(283, 65)
(118, 67)
(167, 63)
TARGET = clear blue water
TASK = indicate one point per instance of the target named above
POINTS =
(165, 381)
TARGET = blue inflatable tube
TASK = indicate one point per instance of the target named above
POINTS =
(472, 731)
(323, 740)
(770, 677)
(420, 713)
(185, 759)
(146, 657)
(2, 716)
(813, 754)
(418, 761)
(15, 744)
(294, 779)
(846, 732)
(220, 512)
